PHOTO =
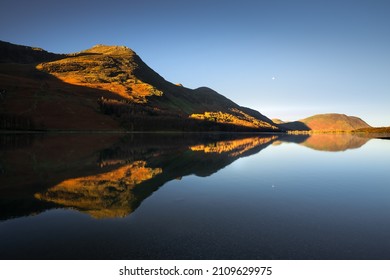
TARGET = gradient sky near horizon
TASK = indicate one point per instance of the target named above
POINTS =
(286, 59)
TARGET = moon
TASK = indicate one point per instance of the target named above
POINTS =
(273, 78)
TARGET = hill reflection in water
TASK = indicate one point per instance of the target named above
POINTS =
(108, 176)
(334, 142)
(327, 142)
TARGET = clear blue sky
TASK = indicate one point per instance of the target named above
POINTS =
(287, 59)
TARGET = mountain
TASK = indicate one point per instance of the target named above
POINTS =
(108, 88)
(278, 121)
(326, 122)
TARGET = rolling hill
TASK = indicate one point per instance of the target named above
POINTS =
(325, 122)
(107, 88)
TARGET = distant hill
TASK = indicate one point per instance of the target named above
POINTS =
(327, 122)
(278, 121)
(108, 88)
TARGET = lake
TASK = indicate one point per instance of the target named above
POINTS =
(194, 196)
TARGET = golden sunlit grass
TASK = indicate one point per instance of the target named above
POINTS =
(236, 117)
(105, 68)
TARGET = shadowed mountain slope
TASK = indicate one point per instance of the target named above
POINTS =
(108, 81)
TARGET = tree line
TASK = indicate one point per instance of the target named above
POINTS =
(141, 117)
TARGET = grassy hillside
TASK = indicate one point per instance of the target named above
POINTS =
(31, 99)
(326, 122)
(108, 87)
(334, 122)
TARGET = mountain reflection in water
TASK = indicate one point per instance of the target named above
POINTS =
(119, 192)
(108, 176)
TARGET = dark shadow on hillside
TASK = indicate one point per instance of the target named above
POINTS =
(297, 125)
(35, 100)
(82, 54)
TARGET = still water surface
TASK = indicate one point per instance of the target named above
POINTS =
(152, 196)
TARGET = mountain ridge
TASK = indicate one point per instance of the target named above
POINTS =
(12, 53)
(122, 86)
(112, 88)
